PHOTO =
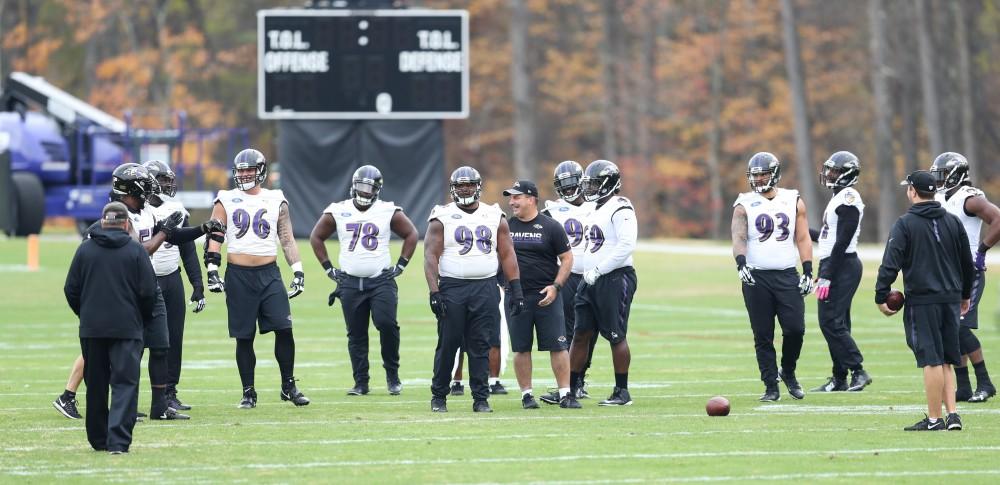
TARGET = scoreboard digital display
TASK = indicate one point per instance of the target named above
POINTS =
(362, 64)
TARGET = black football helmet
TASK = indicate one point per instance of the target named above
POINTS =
(767, 164)
(464, 176)
(600, 181)
(567, 179)
(366, 183)
(248, 159)
(165, 178)
(840, 170)
(950, 170)
(131, 179)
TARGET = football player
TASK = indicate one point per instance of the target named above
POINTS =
(166, 264)
(257, 221)
(959, 197)
(463, 243)
(365, 280)
(571, 210)
(604, 297)
(840, 271)
(770, 235)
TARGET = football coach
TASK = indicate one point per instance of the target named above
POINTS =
(111, 287)
(931, 247)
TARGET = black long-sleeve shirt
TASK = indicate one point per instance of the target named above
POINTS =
(189, 257)
(931, 247)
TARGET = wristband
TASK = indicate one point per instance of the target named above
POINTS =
(297, 267)
(327, 266)
(212, 267)
(402, 262)
(557, 286)
(807, 267)
(741, 261)
(983, 248)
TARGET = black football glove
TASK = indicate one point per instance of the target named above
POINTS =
(516, 303)
(213, 225)
(438, 305)
(298, 284)
(215, 284)
(171, 223)
(198, 298)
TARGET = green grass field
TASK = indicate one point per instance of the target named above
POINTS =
(690, 341)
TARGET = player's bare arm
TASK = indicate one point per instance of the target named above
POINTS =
(403, 227)
(285, 237)
(154, 242)
(739, 231)
(219, 214)
(982, 208)
(802, 239)
(324, 228)
(433, 248)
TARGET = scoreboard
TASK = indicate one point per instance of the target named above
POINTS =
(362, 64)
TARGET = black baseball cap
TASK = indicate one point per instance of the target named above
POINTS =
(921, 180)
(525, 187)
(114, 213)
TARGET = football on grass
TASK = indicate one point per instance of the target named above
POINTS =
(895, 300)
(717, 406)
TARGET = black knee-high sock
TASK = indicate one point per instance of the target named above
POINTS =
(962, 379)
(158, 381)
(246, 360)
(982, 375)
(284, 353)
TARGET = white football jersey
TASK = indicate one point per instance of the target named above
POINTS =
(573, 218)
(771, 229)
(956, 205)
(602, 236)
(828, 233)
(252, 225)
(364, 236)
(470, 241)
(167, 258)
(143, 223)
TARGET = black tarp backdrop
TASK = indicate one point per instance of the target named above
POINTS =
(318, 158)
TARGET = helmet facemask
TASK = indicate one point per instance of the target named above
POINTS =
(365, 191)
(245, 178)
(568, 186)
(466, 192)
(760, 185)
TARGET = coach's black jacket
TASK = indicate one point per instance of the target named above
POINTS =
(111, 286)
(932, 249)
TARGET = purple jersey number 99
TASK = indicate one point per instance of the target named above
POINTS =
(574, 229)
(596, 238)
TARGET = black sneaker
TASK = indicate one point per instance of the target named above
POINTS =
(291, 393)
(771, 394)
(983, 394)
(926, 425)
(570, 402)
(620, 397)
(358, 390)
(832, 385)
(953, 422)
(249, 400)
(394, 386)
(498, 389)
(792, 384)
(67, 408)
(529, 402)
(481, 407)
(550, 398)
(174, 402)
(170, 414)
(859, 380)
(457, 389)
(439, 405)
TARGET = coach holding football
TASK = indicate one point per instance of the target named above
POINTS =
(112, 288)
(931, 247)
(545, 258)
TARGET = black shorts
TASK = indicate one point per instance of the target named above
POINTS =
(971, 318)
(547, 321)
(605, 306)
(256, 295)
(568, 294)
(495, 323)
(932, 333)
(155, 334)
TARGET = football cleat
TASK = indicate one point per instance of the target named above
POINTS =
(983, 394)
(170, 414)
(358, 390)
(926, 425)
(67, 408)
(481, 407)
(498, 389)
(832, 385)
(859, 381)
(771, 394)
(620, 397)
(550, 398)
(963, 394)
(529, 402)
(174, 402)
(394, 386)
(439, 405)
(792, 384)
(570, 402)
(457, 389)
(249, 400)
(291, 393)
(953, 422)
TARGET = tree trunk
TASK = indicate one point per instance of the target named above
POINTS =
(609, 69)
(716, 78)
(884, 159)
(965, 84)
(524, 121)
(932, 113)
(797, 84)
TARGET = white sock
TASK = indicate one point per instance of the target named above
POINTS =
(526, 392)
(563, 391)
(932, 420)
(494, 380)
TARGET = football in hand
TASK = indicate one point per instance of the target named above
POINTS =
(717, 406)
(895, 300)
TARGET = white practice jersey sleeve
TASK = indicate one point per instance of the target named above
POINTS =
(167, 259)
(470, 241)
(252, 221)
(143, 223)
(611, 231)
(364, 236)
(771, 229)
(828, 233)
(572, 218)
(956, 205)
